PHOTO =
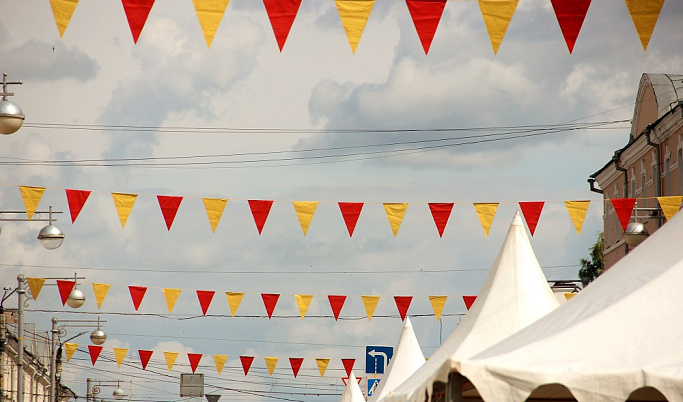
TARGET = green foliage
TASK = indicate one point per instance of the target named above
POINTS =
(591, 269)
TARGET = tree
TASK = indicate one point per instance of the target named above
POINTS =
(591, 269)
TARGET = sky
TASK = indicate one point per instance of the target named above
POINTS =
(274, 125)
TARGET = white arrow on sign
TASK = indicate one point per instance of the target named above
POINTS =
(374, 355)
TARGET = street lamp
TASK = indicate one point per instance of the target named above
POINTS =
(11, 116)
(50, 237)
(94, 390)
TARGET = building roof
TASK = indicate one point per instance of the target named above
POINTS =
(668, 89)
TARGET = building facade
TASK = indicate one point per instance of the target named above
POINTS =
(649, 166)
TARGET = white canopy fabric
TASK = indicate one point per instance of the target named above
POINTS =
(622, 333)
(514, 295)
(352, 392)
(406, 360)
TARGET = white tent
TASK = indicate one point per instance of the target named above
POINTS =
(514, 295)
(352, 392)
(407, 359)
(623, 333)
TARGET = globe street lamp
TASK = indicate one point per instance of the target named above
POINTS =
(11, 116)
(93, 389)
(51, 237)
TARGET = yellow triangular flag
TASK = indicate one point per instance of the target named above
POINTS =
(234, 300)
(171, 296)
(644, 14)
(35, 285)
(270, 363)
(63, 10)
(354, 15)
(577, 211)
(210, 14)
(214, 210)
(395, 213)
(370, 303)
(170, 359)
(70, 348)
(303, 301)
(100, 290)
(220, 362)
(120, 354)
(304, 211)
(568, 296)
(670, 205)
(486, 212)
(438, 302)
(322, 365)
(497, 15)
(31, 196)
(124, 204)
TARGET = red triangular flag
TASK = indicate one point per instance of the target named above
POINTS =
(441, 211)
(624, 209)
(348, 365)
(144, 357)
(570, 15)
(246, 363)
(469, 300)
(296, 362)
(76, 199)
(169, 208)
(403, 303)
(426, 15)
(270, 300)
(336, 302)
(281, 14)
(260, 210)
(94, 352)
(137, 293)
(137, 12)
(65, 288)
(194, 359)
(350, 212)
(532, 212)
(205, 297)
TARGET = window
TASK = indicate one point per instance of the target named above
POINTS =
(633, 182)
(643, 182)
(667, 171)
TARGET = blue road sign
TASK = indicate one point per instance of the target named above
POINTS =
(372, 385)
(377, 358)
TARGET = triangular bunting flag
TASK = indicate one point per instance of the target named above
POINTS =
(270, 300)
(171, 296)
(644, 14)
(205, 297)
(354, 16)
(303, 301)
(260, 210)
(350, 212)
(170, 359)
(124, 204)
(31, 197)
(281, 14)
(403, 304)
(440, 211)
(469, 300)
(214, 209)
(70, 348)
(194, 359)
(145, 355)
(246, 363)
(348, 365)
(100, 290)
(570, 15)
(497, 15)
(295, 363)
(577, 212)
(63, 10)
(94, 352)
(304, 211)
(336, 302)
(35, 285)
(169, 208)
(486, 212)
(136, 294)
(426, 15)
(568, 296)
(234, 300)
(532, 213)
(624, 208)
(670, 205)
(137, 12)
(210, 14)
(270, 364)
(76, 199)
(438, 303)
(370, 303)
(220, 362)
(322, 365)
(65, 288)
(120, 354)
(395, 213)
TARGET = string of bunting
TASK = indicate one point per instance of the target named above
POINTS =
(354, 15)
(350, 211)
